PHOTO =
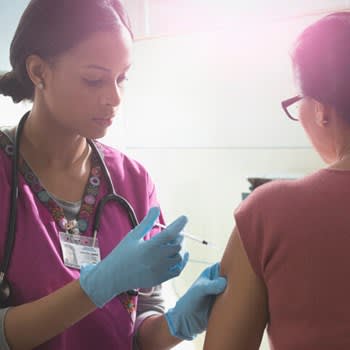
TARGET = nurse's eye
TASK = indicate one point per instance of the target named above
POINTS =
(94, 83)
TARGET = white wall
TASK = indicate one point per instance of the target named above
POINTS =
(203, 113)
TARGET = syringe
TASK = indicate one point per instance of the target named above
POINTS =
(192, 237)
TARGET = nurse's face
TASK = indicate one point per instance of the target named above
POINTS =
(311, 116)
(84, 86)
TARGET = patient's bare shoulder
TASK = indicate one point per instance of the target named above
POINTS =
(240, 314)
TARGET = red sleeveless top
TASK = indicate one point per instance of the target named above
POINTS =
(297, 238)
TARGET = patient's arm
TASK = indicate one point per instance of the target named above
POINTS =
(240, 314)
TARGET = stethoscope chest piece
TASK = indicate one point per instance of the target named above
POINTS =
(5, 292)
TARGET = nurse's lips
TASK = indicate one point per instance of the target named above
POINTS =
(105, 122)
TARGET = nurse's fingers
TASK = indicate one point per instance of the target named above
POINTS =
(177, 268)
(169, 250)
(171, 232)
(146, 224)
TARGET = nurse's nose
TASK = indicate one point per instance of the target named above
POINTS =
(112, 96)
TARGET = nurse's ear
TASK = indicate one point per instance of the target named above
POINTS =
(37, 70)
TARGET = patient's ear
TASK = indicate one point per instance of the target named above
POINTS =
(322, 113)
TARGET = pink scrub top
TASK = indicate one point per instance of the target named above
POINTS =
(36, 267)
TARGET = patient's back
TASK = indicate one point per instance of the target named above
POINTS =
(297, 237)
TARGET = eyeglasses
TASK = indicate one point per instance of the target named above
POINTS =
(291, 107)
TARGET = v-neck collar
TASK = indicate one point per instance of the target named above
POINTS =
(88, 200)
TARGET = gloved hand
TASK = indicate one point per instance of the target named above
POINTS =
(190, 315)
(136, 263)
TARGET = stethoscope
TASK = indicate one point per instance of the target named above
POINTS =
(5, 288)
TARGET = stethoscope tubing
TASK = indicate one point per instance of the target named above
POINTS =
(112, 196)
(10, 238)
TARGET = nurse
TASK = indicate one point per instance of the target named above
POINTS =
(71, 59)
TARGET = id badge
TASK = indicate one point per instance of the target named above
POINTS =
(79, 250)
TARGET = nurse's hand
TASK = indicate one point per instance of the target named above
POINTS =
(190, 315)
(136, 263)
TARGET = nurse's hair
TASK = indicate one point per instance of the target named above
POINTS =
(321, 61)
(49, 28)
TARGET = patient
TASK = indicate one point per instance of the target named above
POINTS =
(288, 260)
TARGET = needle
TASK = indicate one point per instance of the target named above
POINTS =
(192, 237)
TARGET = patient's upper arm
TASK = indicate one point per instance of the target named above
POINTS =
(240, 314)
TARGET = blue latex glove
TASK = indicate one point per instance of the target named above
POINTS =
(136, 263)
(190, 315)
